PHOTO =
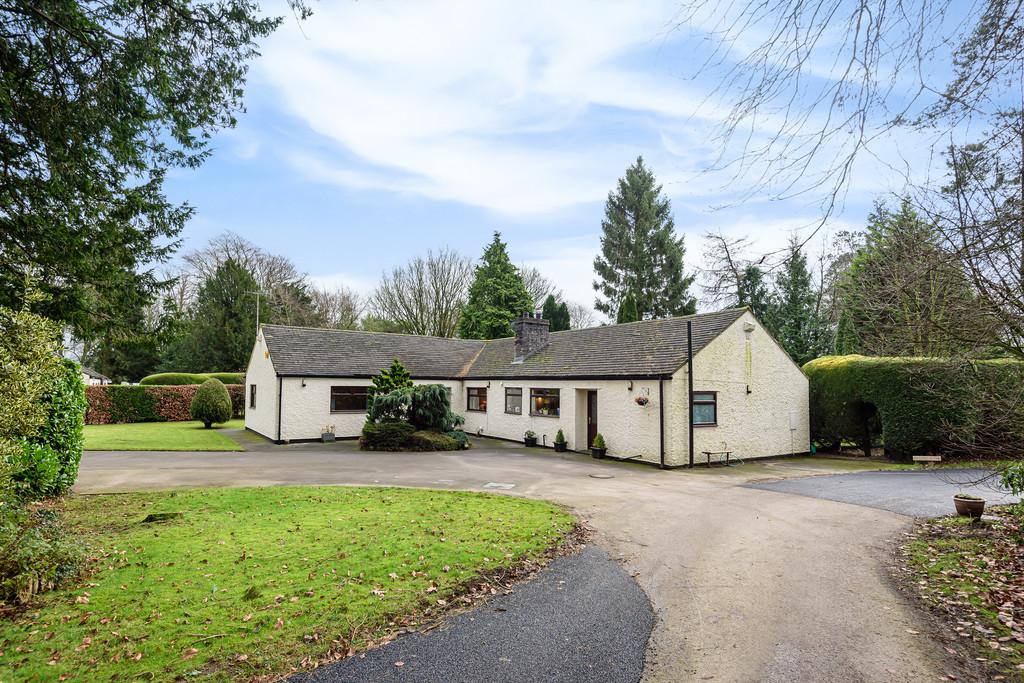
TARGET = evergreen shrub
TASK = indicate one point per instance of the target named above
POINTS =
(212, 403)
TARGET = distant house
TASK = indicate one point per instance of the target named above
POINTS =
(91, 377)
(629, 382)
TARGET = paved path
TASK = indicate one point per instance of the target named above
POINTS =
(582, 619)
(926, 493)
(746, 584)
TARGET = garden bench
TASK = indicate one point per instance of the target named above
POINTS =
(708, 454)
(925, 459)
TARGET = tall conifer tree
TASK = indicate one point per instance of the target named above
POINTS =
(496, 297)
(794, 319)
(640, 253)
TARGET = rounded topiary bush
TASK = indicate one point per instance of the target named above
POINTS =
(211, 404)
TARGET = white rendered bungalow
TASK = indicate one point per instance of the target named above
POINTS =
(629, 382)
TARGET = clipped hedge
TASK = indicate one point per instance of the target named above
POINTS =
(424, 440)
(122, 403)
(912, 405)
(186, 378)
(386, 436)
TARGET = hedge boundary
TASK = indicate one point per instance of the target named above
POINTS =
(122, 403)
(913, 404)
(184, 378)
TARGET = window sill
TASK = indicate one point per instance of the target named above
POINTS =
(348, 412)
(705, 424)
(540, 415)
(470, 410)
(509, 412)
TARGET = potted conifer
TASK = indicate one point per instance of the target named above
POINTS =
(560, 445)
(598, 449)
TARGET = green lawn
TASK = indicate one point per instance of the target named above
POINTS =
(161, 436)
(251, 582)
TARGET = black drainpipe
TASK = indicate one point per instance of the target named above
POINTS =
(279, 381)
(661, 419)
(689, 379)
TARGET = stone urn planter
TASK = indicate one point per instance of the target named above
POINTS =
(327, 434)
(530, 439)
(561, 447)
(968, 505)
(599, 448)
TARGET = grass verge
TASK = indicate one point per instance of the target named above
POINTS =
(161, 436)
(971, 574)
(250, 584)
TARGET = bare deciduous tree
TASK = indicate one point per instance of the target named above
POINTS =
(810, 86)
(724, 263)
(539, 286)
(269, 270)
(580, 315)
(426, 295)
(338, 308)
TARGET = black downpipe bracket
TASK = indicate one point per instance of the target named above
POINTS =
(689, 379)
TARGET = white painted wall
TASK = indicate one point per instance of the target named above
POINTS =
(307, 409)
(773, 419)
(628, 429)
(263, 418)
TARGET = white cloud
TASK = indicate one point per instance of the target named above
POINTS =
(475, 102)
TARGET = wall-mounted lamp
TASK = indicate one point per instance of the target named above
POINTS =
(488, 384)
(630, 387)
(303, 382)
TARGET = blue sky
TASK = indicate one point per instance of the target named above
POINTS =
(378, 130)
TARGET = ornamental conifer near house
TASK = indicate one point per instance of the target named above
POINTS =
(496, 297)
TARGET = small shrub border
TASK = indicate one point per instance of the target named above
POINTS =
(121, 403)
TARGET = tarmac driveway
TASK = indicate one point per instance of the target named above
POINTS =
(746, 584)
(924, 493)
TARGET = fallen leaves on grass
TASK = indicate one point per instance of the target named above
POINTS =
(972, 575)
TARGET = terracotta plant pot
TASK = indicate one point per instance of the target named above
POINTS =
(969, 507)
(560, 447)
(598, 452)
(530, 441)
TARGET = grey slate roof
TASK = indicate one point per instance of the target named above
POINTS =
(310, 352)
(642, 349)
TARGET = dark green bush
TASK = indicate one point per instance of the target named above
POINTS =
(390, 407)
(36, 472)
(431, 409)
(385, 436)
(177, 378)
(460, 438)
(35, 554)
(424, 440)
(65, 421)
(211, 404)
(911, 405)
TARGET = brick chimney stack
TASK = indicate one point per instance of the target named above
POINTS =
(531, 335)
